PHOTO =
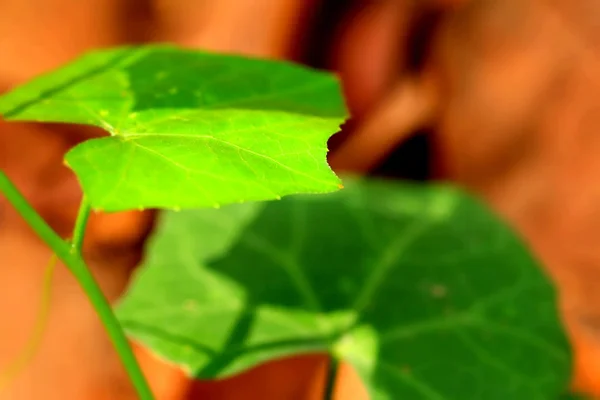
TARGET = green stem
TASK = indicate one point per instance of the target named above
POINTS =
(332, 372)
(79, 269)
(80, 223)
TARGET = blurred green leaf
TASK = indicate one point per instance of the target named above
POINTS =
(421, 289)
(574, 396)
(189, 128)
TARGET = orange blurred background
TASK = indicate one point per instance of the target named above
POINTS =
(498, 96)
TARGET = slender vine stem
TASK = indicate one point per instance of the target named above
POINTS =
(332, 372)
(74, 261)
(80, 223)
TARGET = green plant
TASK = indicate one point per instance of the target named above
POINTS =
(421, 289)
(187, 129)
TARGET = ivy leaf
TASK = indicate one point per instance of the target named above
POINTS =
(189, 128)
(574, 396)
(421, 289)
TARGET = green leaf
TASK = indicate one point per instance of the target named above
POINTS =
(421, 289)
(189, 128)
(574, 396)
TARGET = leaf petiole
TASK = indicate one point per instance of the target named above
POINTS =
(332, 372)
(80, 223)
